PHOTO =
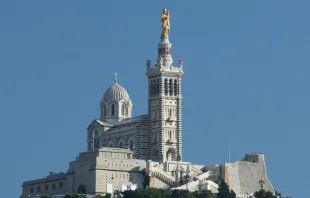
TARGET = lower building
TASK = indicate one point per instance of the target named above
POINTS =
(111, 170)
(101, 171)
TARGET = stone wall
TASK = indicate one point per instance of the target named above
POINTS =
(52, 184)
(156, 183)
(244, 176)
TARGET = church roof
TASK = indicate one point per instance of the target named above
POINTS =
(133, 119)
(116, 93)
(103, 123)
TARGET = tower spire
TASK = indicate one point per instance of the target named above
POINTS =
(165, 100)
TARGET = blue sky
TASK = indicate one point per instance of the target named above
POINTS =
(246, 76)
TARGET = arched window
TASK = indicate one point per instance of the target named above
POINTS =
(166, 86)
(171, 155)
(104, 110)
(81, 189)
(170, 87)
(175, 87)
(154, 88)
(151, 88)
(112, 109)
(157, 87)
(123, 109)
(131, 145)
(96, 143)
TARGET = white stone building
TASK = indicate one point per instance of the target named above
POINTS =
(125, 151)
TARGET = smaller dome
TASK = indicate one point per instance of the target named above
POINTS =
(116, 93)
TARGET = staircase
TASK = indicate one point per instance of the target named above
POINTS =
(164, 177)
(196, 170)
(203, 176)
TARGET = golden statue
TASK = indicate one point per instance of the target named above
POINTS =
(165, 22)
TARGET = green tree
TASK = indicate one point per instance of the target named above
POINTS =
(182, 194)
(223, 190)
(107, 195)
(67, 195)
(232, 194)
(146, 193)
(206, 194)
(278, 194)
(129, 194)
(74, 195)
(264, 194)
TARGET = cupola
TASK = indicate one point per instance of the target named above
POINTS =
(116, 104)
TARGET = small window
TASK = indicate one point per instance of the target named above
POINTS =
(61, 184)
(53, 186)
(151, 88)
(123, 109)
(39, 188)
(175, 87)
(112, 109)
(166, 86)
(157, 87)
(46, 187)
(31, 190)
(131, 145)
(96, 143)
(170, 87)
(154, 87)
(104, 110)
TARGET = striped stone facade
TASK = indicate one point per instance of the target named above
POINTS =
(165, 105)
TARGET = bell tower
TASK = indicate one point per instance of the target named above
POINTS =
(165, 100)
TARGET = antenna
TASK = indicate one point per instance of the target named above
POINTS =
(228, 149)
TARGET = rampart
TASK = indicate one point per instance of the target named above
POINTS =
(247, 176)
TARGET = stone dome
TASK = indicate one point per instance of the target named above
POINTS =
(116, 93)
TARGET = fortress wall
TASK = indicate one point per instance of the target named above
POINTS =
(244, 176)
(232, 179)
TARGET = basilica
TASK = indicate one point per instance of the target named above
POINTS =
(125, 152)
